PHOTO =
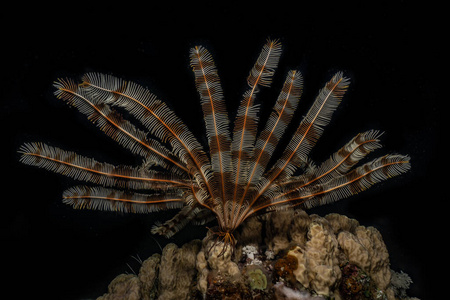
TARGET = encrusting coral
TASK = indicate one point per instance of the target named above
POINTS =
(296, 256)
(257, 279)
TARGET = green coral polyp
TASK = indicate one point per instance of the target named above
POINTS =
(257, 279)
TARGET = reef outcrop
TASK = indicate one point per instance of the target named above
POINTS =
(282, 255)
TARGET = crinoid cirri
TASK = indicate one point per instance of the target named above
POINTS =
(236, 177)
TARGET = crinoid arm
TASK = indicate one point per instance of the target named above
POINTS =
(179, 221)
(307, 194)
(310, 129)
(339, 163)
(297, 150)
(162, 123)
(99, 198)
(276, 125)
(168, 190)
(89, 170)
(246, 123)
(155, 115)
(216, 119)
(115, 126)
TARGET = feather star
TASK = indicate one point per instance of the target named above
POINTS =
(237, 179)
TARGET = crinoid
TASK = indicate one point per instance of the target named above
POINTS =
(237, 178)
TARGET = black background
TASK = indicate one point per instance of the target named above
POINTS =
(390, 50)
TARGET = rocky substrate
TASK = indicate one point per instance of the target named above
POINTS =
(282, 255)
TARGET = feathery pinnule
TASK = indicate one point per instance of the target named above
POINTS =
(87, 169)
(348, 156)
(311, 128)
(279, 119)
(348, 184)
(339, 163)
(239, 178)
(271, 134)
(99, 198)
(307, 134)
(337, 188)
(155, 115)
(216, 119)
(246, 122)
(119, 129)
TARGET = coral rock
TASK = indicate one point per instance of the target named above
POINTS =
(203, 271)
(177, 270)
(299, 229)
(306, 257)
(366, 249)
(221, 262)
(341, 223)
(277, 228)
(148, 275)
(123, 287)
(321, 253)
